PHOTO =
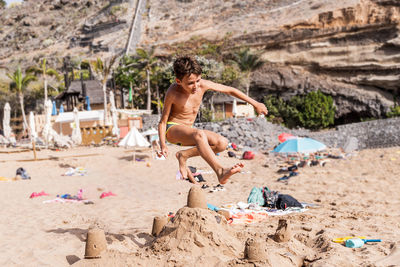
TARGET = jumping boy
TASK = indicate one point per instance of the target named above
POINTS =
(181, 105)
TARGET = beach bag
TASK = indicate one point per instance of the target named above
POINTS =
(23, 173)
(231, 154)
(286, 201)
(234, 146)
(256, 196)
(248, 155)
(270, 198)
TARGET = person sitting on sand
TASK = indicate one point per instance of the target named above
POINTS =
(181, 105)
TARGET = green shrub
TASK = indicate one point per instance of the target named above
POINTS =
(394, 112)
(229, 75)
(316, 111)
(313, 111)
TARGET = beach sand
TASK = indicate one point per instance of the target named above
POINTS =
(357, 196)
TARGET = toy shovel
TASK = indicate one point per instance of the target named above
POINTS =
(343, 239)
(358, 242)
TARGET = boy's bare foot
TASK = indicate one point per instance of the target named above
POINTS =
(186, 173)
(228, 172)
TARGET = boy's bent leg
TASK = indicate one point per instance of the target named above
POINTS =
(189, 136)
(217, 144)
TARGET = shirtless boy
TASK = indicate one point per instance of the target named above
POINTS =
(181, 105)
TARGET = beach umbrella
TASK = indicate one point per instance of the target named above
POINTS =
(88, 103)
(76, 130)
(150, 131)
(54, 110)
(134, 139)
(153, 136)
(114, 115)
(285, 136)
(7, 131)
(300, 145)
(234, 108)
(49, 108)
(32, 125)
(61, 109)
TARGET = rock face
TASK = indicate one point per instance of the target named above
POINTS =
(82, 28)
(349, 49)
(350, 53)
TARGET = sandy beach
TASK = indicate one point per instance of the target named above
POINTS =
(356, 196)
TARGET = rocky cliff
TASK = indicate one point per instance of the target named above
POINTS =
(349, 49)
(54, 29)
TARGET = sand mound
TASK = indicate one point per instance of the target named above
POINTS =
(393, 259)
(199, 235)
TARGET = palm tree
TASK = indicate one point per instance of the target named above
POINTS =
(148, 63)
(42, 69)
(247, 63)
(103, 70)
(20, 82)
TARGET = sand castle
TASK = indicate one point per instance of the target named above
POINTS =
(95, 243)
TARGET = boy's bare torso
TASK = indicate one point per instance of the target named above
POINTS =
(184, 106)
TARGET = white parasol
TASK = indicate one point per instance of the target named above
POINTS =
(134, 139)
(76, 130)
(47, 126)
(234, 108)
(32, 125)
(114, 115)
(150, 131)
(6, 121)
(153, 136)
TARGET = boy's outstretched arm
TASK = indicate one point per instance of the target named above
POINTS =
(163, 123)
(260, 108)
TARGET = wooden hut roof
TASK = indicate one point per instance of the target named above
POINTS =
(94, 90)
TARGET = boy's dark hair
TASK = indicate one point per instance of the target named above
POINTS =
(186, 65)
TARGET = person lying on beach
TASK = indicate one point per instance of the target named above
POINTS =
(181, 105)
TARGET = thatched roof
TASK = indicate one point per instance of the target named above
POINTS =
(94, 90)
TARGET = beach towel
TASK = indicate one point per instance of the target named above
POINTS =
(63, 200)
(5, 179)
(78, 171)
(242, 213)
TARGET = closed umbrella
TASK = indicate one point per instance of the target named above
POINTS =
(88, 108)
(300, 145)
(114, 115)
(54, 110)
(7, 131)
(234, 108)
(61, 109)
(32, 125)
(134, 139)
(153, 136)
(47, 126)
(76, 130)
